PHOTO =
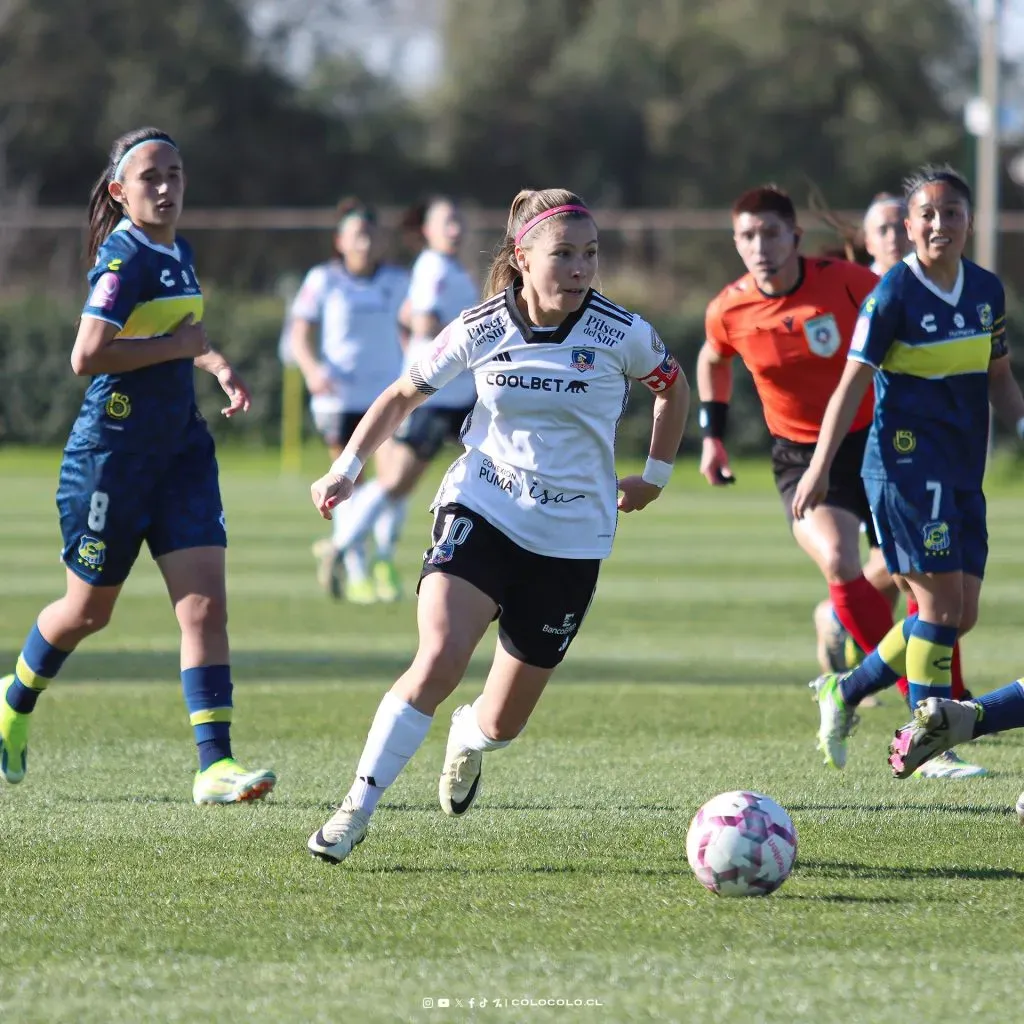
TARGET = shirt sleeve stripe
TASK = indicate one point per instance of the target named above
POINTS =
(421, 385)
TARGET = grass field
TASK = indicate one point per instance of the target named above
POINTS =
(120, 901)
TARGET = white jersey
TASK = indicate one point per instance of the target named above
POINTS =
(358, 319)
(441, 285)
(540, 442)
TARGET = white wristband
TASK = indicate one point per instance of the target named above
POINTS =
(657, 473)
(1020, 428)
(347, 465)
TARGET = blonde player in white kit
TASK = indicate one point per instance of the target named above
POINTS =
(344, 337)
(439, 290)
(525, 516)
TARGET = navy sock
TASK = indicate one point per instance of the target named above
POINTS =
(37, 665)
(208, 699)
(881, 668)
(1001, 709)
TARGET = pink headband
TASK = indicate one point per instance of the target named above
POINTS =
(534, 221)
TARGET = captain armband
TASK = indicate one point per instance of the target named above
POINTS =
(663, 375)
(712, 418)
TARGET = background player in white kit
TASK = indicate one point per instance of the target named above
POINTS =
(524, 517)
(439, 290)
(352, 302)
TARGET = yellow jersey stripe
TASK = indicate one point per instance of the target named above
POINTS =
(209, 715)
(160, 316)
(28, 678)
(941, 358)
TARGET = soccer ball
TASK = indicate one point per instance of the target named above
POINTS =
(741, 844)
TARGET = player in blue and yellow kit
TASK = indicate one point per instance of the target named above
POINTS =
(140, 464)
(932, 335)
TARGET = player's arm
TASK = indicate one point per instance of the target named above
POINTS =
(714, 389)
(231, 383)
(424, 293)
(1004, 392)
(97, 350)
(306, 312)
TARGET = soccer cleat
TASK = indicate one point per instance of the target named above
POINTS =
(937, 725)
(340, 834)
(460, 774)
(386, 581)
(13, 738)
(837, 720)
(1020, 808)
(328, 567)
(949, 765)
(361, 591)
(227, 782)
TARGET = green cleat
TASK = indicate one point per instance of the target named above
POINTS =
(360, 591)
(837, 720)
(387, 582)
(13, 738)
(227, 782)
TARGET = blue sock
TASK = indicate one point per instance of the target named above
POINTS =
(208, 699)
(1001, 709)
(881, 668)
(930, 660)
(38, 663)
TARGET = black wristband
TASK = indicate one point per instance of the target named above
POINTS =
(712, 418)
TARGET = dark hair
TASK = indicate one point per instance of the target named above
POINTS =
(415, 217)
(529, 203)
(766, 199)
(931, 173)
(104, 211)
(350, 206)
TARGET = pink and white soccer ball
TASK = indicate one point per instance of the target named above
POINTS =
(741, 844)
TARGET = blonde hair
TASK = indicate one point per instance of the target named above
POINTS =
(529, 203)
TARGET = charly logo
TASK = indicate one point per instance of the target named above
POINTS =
(119, 407)
(936, 537)
(904, 441)
(985, 315)
(583, 359)
(92, 551)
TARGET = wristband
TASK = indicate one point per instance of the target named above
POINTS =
(1020, 428)
(347, 465)
(657, 473)
(712, 419)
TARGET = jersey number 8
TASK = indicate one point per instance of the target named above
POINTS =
(98, 505)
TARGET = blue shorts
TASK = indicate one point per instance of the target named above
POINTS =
(111, 501)
(929, 526)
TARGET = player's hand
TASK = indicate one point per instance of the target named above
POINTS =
(330, 491)
(637, 493)
(810, 491)
(318, 380)
(236, 389)
(191, 337)
(714, 463)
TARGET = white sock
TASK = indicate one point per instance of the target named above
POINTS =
(357, 566)
(387, 527)
(341, 521)
(396, 734)
(364, 506)
(470, 735)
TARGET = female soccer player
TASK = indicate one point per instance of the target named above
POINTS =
(524, 517)
(932, 336)
(139, 464)
(352, 303)
(439, 290)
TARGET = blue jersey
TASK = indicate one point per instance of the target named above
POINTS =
(932, 352)
(145, 290)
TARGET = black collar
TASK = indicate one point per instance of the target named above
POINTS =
(555, 337)
(795, 288)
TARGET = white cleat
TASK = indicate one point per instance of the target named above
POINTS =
(937, 725)
(950, 765)
(1020, 808)
(837, 721)
(340, 835)
(460, 774)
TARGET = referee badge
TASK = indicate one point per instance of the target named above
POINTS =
(822, 334)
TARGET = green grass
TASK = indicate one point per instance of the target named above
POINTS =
(120, 901)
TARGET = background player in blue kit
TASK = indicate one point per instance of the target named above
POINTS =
(139, 463)
(932, 335)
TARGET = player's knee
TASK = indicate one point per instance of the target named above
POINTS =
(968, 618)
(91, 618)
(202, 614)
(439, 667)
(839, 565)
(498, 727)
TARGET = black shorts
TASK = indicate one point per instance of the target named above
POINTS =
(426, 429)
(336, 428)
(845, 486)
(541, 600)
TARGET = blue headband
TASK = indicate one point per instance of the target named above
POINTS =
(123, 162)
